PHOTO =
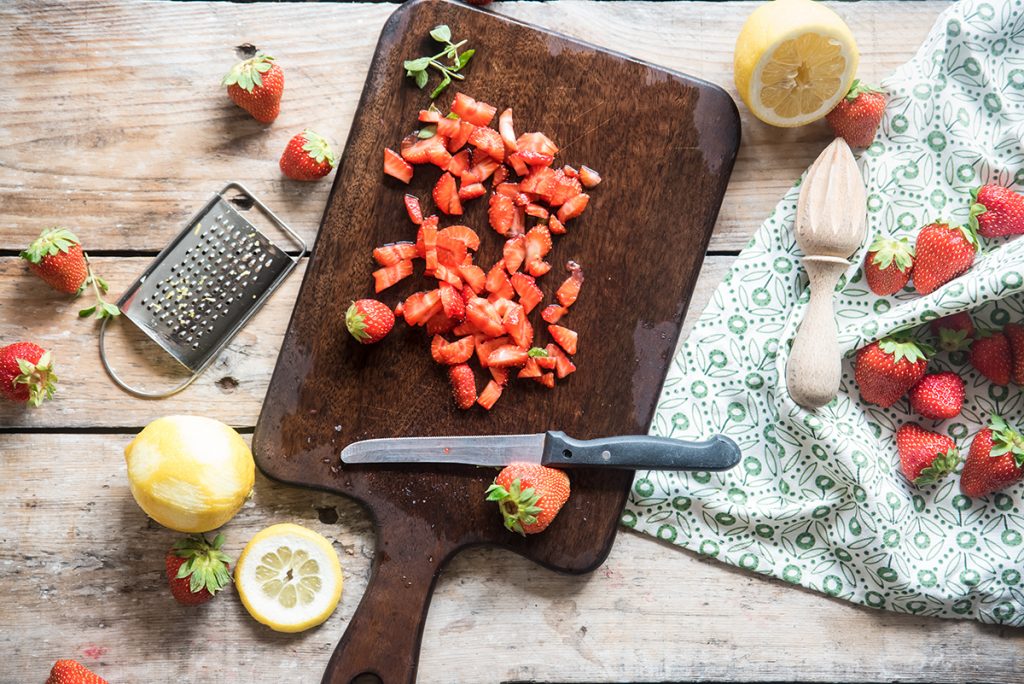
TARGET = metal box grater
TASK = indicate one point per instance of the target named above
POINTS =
(205, 285)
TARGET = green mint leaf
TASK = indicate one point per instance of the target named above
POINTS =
(86, 312)
(421, 79)
(428, 131)
(416, 64)
(441, 86)
(441, 33)
(464, 58)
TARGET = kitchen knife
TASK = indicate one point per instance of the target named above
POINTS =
(554, 449)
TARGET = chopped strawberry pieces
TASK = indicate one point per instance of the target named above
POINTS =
(460, 163)
(389, 275)
(507, 355)
(461, 136)
(535, 159)
(546, 362)
(537, 143)
(483, 315)
(464, 328)
(514, 253)
(501, 214)
(474, 277)
(427, 236)
(589, 177)
(488, 141)
(463, 234)
(464, 386)
(429, 116)
(477, 113)
(538, 182)
(555, 226)
(563, 366)
(396, 167)
(481, 170)
(389, 255)
(412, 207)
(426, 151)
(570, 171)
(453, 304)
(560, 188)
(510, 190)
(518, 327)
(517, 163)
(484, 347)
(446, 195)
(490, 395)
(508, 135)
(570, 289)
(538, 267)
(548, 380)
(471, 191)
(439, 324)
(537, 211)
(552, 313)
(530, 370)
(573, 207)
(419, 307)
(538, 243)
(450, 353)
(500, 176)
(565, 338)
(526, 287)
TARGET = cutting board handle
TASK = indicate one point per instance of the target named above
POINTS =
(383, 637)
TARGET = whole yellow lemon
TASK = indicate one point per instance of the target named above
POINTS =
(189, 473)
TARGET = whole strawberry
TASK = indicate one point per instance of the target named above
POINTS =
(529, 496)
(990, 356)
(925, 457)
(997, 211)
(888, 264)
(955, 331)
(857, 116)
(56, 257)
(73, 672)
(369, 320)
(307, 157)
(888, 368)
(26, 373)
(938, 396)
(197, 569)
(1015, 336)
(995, 461)
(943, 252)
(256, 84)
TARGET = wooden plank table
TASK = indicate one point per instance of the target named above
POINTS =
(112, 123)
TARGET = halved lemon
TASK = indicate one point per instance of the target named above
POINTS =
(289, 578)
(794, 60)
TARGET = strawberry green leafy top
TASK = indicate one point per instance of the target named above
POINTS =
(49, 243)
(206, 565)
(318, 148)
(943, 465)
(246, 74)
(40, 378)
(903, 348)
(887, 251)
(1006, 440)
(518, 506)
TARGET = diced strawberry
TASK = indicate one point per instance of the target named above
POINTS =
(547, 379)
(507, 355)
(389, 275)
(490, 395)
(530, 370)
(589, 177)
(500, 304)
(399, 308)
(436, 345)
(471, 191)
(463, 234)
(396, 167)
(463, 385)
(569, 290)
(439, 155)
(481, 170)
(514, 253)
(454, 246)
(505, 128)
(429, 116)
(538, 182)
(464, 328)
(389, 255)
(563, 366)
(481, 312)
(428, 235)
(412, 207)
(488, 140)
(499, 374)
(526, 287)
(547, 362)
(446, 195)
(500, 176)
(555, 226)
(517, 325)
(517, 163)
(501, 213)
(538, 243)
(536, 142)
(439, 324)
(474, 277)
(419, 307)
(510, 190)
(518, 222)
(562, 189)
(535, 159)
(538, 267)
(565, 338)
(450, 353)
(476, 113)
(573, 207)
(537, 210)
(570, 171)
(448, 127)
(552, 313)
(427, 151)
(485, 346)
(448, 275)
(498, 282)
(460, 163)
(461, 137)
(452, 303)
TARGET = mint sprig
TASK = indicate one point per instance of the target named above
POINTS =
(418, 69)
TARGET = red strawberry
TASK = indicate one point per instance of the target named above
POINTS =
(463, 234)
(887, 265)
(943, 252)
(412, 207)
(529, 496)
(498, 282)
(925, 457)
(518, 327)
(369, 321)
(507, 355)
(396, 167)
(446, 195)
(555, 226)
(514, 253)
(954, 331)
(490, 394)
(538, 245)
(538, 143)
(73, 672)
(563, 365)
(463, 385)
(856, 117)
(1015, 336)
(420, 306)
(389, 255)
(565, 338)
(452, 303)
(26, 373)
(197, 569)
(474, 277)
(990, 356)
(995, 461)
(308, 157)
(997, 211)
(451, 353)
(56, 257)
(573, 207)
(569, 290)
(476, 113)
(938, 395)
(589, 177)
(488, 141)
(384, 278)
(887, 369)
(483, 315)
(553, 313)
(501, 213)
(526, 287)
(256, 85)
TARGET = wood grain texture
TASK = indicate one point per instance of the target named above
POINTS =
(328, 391)
(82, 571)
(100, 132)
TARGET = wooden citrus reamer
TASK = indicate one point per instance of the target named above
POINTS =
(830, 226)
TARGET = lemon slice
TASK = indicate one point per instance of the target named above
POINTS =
(794, 60)
(289, 578)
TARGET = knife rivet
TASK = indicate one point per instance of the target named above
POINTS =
(606, 455)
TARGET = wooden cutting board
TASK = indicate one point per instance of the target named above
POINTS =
(664, 144)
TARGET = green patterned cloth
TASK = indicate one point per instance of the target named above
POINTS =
(818, 499)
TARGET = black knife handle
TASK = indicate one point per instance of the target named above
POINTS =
(641, 452)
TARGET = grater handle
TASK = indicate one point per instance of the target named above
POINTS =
(142, 394)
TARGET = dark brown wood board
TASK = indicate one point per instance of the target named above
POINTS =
(664, 144)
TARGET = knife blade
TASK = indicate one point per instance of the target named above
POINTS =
(554, 449)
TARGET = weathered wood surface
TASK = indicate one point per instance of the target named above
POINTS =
(82, 572)
(102, 132)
